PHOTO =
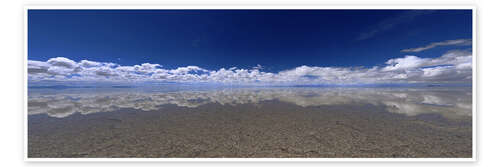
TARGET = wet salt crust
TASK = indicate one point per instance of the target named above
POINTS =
(251, 122)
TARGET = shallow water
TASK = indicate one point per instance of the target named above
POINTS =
(250, 122)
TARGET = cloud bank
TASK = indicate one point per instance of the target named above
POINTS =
(452, 67)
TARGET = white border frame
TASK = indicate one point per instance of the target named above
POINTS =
(257, 7)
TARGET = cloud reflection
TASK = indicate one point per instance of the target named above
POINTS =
(410, 102)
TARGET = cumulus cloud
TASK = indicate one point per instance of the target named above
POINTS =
(456, 42)
(453, 66)
(35, 67)
(62, 62)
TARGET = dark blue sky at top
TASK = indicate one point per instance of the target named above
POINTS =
(213, 39)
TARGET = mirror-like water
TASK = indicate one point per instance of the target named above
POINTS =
(250, 122)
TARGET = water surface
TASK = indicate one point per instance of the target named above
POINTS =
(250, 122)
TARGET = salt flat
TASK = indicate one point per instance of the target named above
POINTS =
(250, 122)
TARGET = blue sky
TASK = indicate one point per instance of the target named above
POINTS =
(311, 45)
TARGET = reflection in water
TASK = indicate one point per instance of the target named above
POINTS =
(449, 102)
(250, 122)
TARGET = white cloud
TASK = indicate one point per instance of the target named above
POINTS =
(408, 62)
(456, 42)
(62, 62)
(453, 66)
(105, 71)
(35, 67)
(186, 70)
(87, 63)
(146, 68)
